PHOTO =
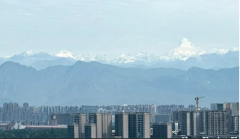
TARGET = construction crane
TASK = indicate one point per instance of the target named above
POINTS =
(197, 99)
(197, 115)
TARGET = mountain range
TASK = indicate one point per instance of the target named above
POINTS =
(142, 60)
(183, 57)
(93, 83)
(68, 78)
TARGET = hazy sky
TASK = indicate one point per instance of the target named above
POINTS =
(116, 26)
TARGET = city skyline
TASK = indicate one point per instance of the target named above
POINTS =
(119, 69)
(132, 121)
(136, 51)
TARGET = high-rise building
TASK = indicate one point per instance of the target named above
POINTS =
(53, 118)
(162, 130)
(193, 123)
(139, 125)
(103, 124)
(174, 116)
(212, 122)
(96, 118)
(217, 106)
(153, 109)
(187, 122)
(191, 108)
(81, 120)
(90, 131)
(235, 123)
(162, 118)
(73, 131)
(232, 109)
(216, 123)
(121, 125)
(89, 109)
(175, 127)
(203, 122)
(25, 105)
(61, 119)
(106, 125)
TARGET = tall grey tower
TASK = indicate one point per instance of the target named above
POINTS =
(187, 121)
(103, 124)
(73, 131)
(96, 118)
(139, 125)
(81, 120)
(121, 125)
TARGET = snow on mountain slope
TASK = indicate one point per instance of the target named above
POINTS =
(66, 53)
(27, 53)
(139, 57)
(85, 56)
(182, 53)
(185, 51)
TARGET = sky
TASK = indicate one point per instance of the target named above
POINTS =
(116, 26)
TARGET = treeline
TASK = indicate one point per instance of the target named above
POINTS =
(34, 133)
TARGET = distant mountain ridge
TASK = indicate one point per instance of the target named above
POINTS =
(183, 57)
(142, 60)
(100, 84)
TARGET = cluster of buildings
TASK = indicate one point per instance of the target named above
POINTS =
(31, 115)
(221, 119)
(128, 121)
(99, 125)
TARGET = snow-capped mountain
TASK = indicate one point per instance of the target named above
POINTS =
(65, 53)
(87, 57)
(29, 57)
(184, 57)
(140, 57)
(103, 58)
(222, 51)
(27, 53)
(185, 51)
